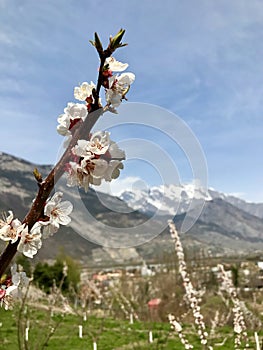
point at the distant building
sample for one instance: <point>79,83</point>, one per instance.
<point>146,271</point>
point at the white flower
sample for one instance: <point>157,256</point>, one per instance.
<point>176,325</point>
<point>113,98</point>
<point>58,211</point>
<point>82,149</point>
<point>83,91</point>
<point>7,220</point>
<point>64,124</point>
<point>99,142</point>
<point>76,111</point>
<point>30,242</point>
<point>125,80</point>
<point>237,328</point>
<point>76,176</point>
<point>12,289</point>
<point>9,229</point>
<point>97,145</point>
<point>72,114</point>
<point>118,87</point>
<point>116,66</point>
<point>94,167</point>
<point>6,296</point>
<point>99,158</point>
<point>89,171</point>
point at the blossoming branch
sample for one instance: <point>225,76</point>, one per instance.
<point>89,158</point>
<point>240,328</point>
<point>191,293</point>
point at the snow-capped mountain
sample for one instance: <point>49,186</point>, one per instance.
<point>224,225</point>
<point>165,199</point>
<point>176,199</point>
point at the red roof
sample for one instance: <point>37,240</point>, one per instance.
<point>154,302</point>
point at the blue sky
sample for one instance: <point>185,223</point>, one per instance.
<point>201,60</point>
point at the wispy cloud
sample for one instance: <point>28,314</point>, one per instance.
<point>202,61</point>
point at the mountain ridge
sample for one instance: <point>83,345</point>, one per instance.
<point>222,227</point>
<point>175,199</point>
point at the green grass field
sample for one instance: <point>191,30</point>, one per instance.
<point>108,333</point>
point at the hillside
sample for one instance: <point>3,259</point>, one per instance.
<point>105,230</point>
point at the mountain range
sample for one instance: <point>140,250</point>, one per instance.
<point>175,199</point>
<point>106,230</point>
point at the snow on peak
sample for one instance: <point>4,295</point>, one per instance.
<point>166,199</point>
